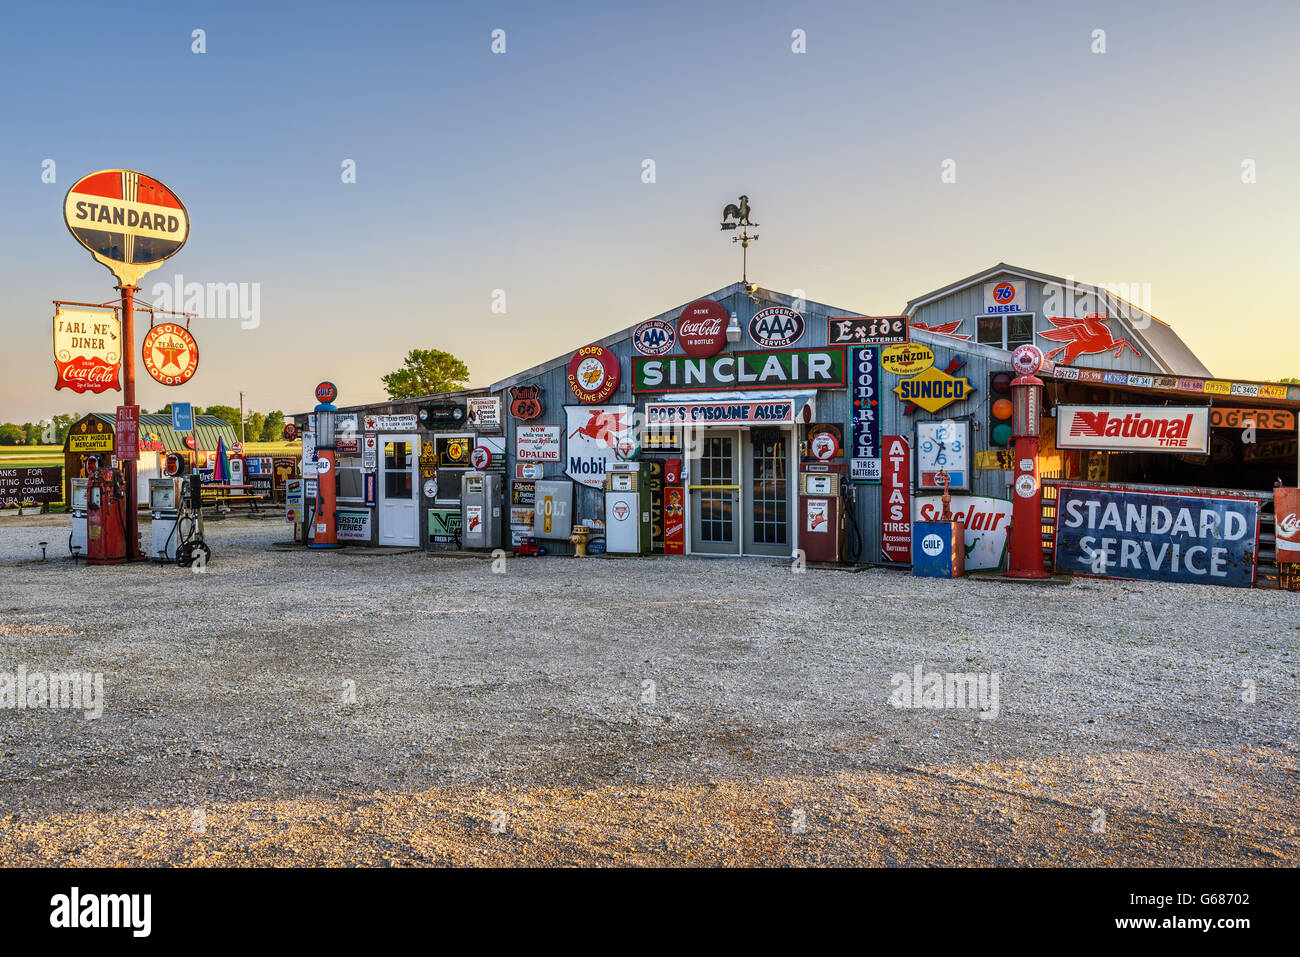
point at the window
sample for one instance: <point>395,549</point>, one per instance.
<point>350,487</point>
<point>1005,331</point>
<point>399,461</point>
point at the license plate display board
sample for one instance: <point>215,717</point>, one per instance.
<point>1151,536</point>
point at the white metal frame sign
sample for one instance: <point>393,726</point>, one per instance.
<point>1134,428</point>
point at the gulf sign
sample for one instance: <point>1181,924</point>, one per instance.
<point>1134,428</point>
<point>1149,536</point>
<point>130,222</point>
<point>1006,295</point>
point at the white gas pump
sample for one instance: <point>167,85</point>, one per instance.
<point>77,538</point>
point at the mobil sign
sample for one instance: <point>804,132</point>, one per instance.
<point>1134,428</point>
<point>1151,536</point>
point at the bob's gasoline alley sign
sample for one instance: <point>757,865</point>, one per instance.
<point>1149,536</point>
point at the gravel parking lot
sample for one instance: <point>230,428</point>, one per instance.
<point>294,707</point>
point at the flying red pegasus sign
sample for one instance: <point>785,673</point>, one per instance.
<point>1083,337</point>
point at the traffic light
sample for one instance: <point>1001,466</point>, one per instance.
<point>999,409</point>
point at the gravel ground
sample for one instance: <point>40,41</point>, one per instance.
<point>507,719</point>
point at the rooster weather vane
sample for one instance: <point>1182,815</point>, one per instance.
<point>737,215</point>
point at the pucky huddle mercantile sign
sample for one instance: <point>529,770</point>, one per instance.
<point>775,369</point>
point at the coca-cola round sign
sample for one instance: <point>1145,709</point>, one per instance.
<point>702,328</point>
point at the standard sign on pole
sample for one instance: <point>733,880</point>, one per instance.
<point>130,222</point>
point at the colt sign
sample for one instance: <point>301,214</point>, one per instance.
<point>130,222</point>
<point>1150,428</point>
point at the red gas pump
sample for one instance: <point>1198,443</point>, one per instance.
<point>105,518</point>
<point>821,519</point>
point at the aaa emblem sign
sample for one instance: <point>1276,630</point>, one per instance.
<point>87,349</point>
<point>130,222</point>
<point>170,354</point>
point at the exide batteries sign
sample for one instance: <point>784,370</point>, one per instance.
<point>1124,428</point>
<point>1197,539</point>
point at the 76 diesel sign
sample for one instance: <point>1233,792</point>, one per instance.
<point>1142,428</point>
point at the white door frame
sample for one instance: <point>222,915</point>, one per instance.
<point>385,517</point>
<point>691,479</point>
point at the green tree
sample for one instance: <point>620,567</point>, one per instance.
<point>425,372</point>
<point>273,428</point>
<point>254,423</point>
<point>11,434</point>
<point>1291,381</point>
<point>226,413</point>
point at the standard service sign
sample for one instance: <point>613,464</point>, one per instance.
<point>130,222</point>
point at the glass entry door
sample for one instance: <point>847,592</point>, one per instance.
<point>399,506</point>
<point>715,493</point>
<point>768,485</point>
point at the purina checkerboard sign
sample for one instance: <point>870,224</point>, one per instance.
<point>130,222</point>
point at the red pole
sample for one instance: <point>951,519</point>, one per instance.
<point>128,394</point>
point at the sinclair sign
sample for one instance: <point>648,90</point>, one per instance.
<point>1139,428</point>
<point>130,222</point>
<point>779,369</point>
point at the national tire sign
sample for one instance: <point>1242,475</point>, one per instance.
<point>130,222</point>
<point>1125,428</point>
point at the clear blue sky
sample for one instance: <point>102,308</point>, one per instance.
<point>522,171</point>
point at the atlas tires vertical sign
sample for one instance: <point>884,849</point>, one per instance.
<point>896,500</point>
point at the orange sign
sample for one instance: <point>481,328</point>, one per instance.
<point>170,354</point>
<point>1222,417</point>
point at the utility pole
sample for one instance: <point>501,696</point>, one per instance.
<point>241,419</point>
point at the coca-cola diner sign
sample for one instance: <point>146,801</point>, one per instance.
<point>702,328</point>
<point>87,349</point>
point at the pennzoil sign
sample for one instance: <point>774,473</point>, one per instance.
<point>130,222</point>
<point>1150,428</point>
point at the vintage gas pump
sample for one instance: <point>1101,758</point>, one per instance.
<point>77,537</point>
<point>627,509</point>
<point>105,518</point>
<point>820,514</point>
<point>480,510</point>
<point>165,508</point>
<point>325,417</point>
